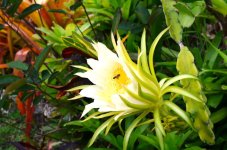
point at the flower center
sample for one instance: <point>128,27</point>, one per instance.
<point>119,78</point>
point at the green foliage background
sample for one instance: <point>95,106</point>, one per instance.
<point>198,24</point>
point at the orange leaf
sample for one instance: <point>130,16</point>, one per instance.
<point>29,115</point>
<point>60,94</point>
<point>59,18</point>
<point>26,34</point>
<point>46,17</point>
<point>34,16</point>
<point>20,104</point>
<point>3,66</point>
<point>21,55</point>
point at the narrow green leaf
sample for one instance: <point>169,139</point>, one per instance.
<point>109,126</point>
<point>15,85</point>
<point>41,58</point>
<point>141,99</point>
<point>76,5</point>
<point>177,78</point>
<point>148,78</point>
<point>214,99</point>
<point>116,20</point>
<point>142,13</point>
<point>144,84</point>
<point>13,7</point>
<point>134,106</point>
<point>30,9</point>
<point>78,88</point>
<point>104,115</point>
<point>222,54</point>
<point>99,130</point>
<point>81,67</point>
<point>219,115</point>
<point>144,59</point>
<point>211,56</point>
<point>181,91</point>
<point>130,129</point>
<point>220,6</point>
<point>91,116</point>
<point>7,79</point>
<point>61,11</point>
<point>160,137</point>
<point>18,65</point>
<point>101,11</point>
<point>158,122</point>
<point>4,3</point>
<point>135,135</point>
<point>76,97</point>
<point>126,9</point>
<point>151,53</point>
<point>184,137</point>
<point>1,27</point>
<point>162,81</point>
<point>76,123</point>
<point>179,112</point>
<point>151,140</point>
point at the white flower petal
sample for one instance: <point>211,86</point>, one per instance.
<point>93,76</point>
<point>109,78</point>
<point>103,52</point>
<point>119,104</point>
<point>88,108</point>
<point>91,92</point>
<point>93,63</point>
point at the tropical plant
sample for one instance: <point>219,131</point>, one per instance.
<point>171,96</point>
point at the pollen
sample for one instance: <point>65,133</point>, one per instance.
<point>119,78</point>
